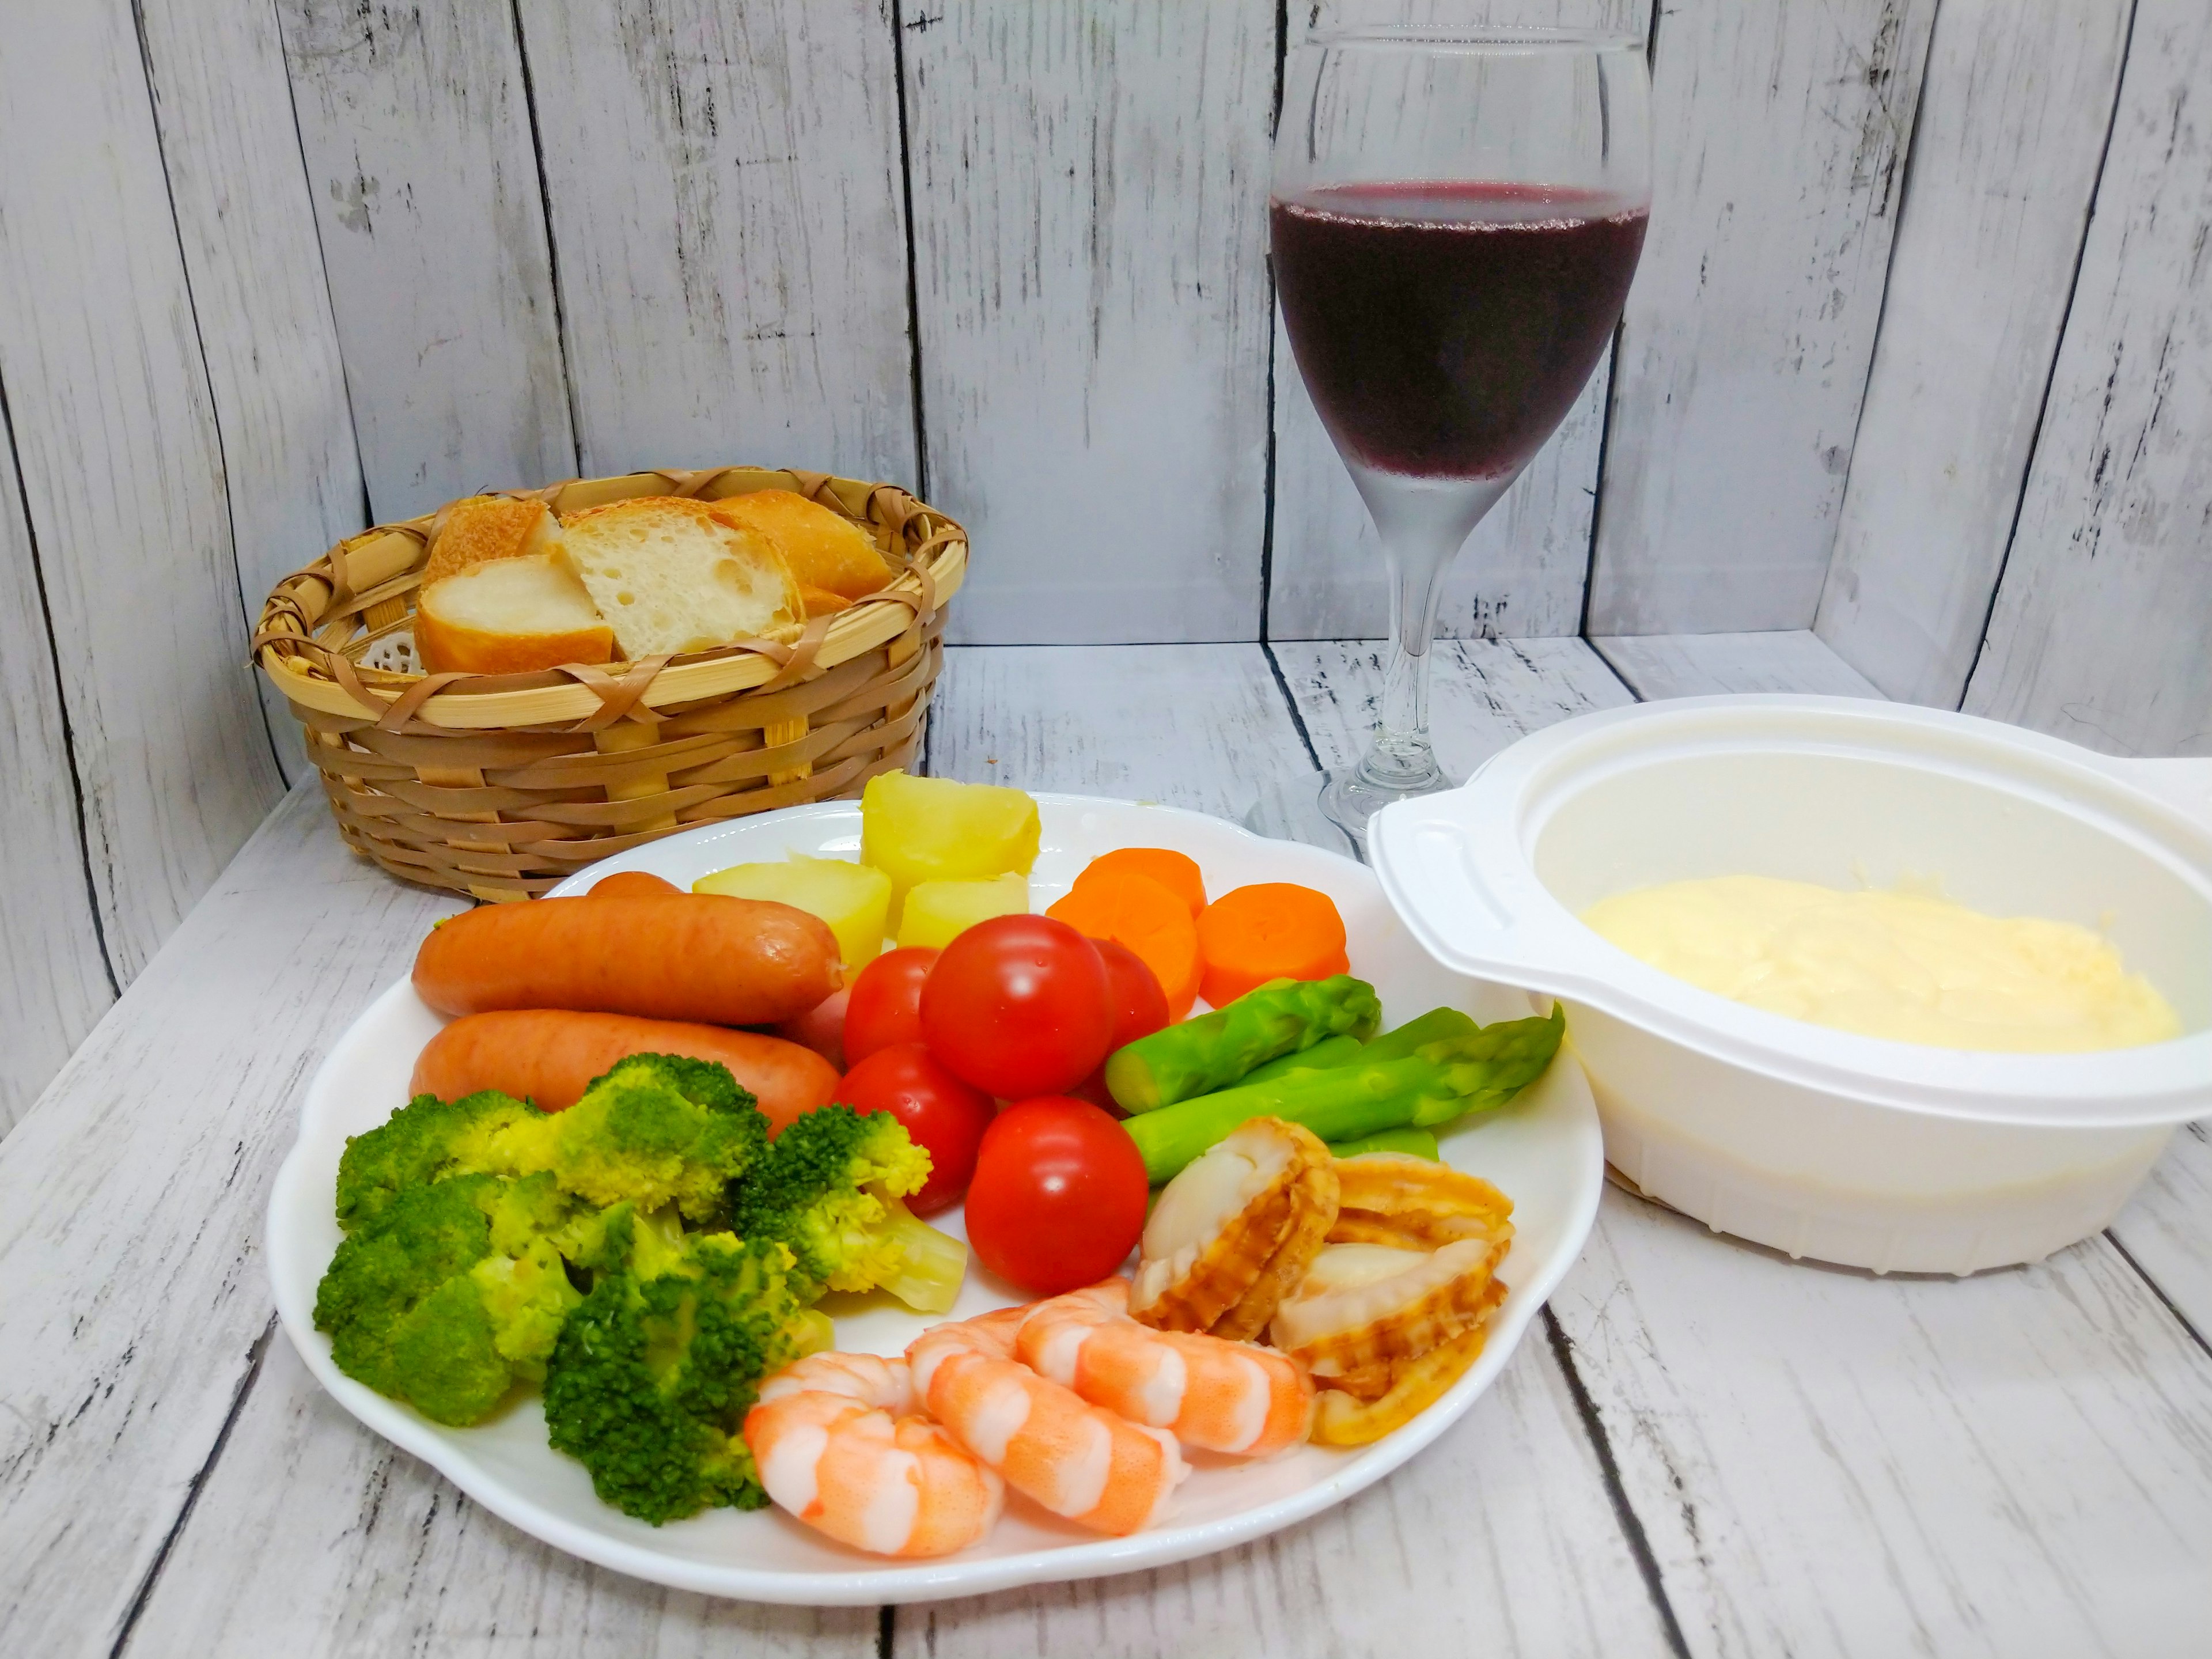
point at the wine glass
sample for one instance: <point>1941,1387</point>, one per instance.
<point>1455,216</point>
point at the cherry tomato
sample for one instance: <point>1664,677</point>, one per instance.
<point>1139,1008</point>
<point>945,1116</point>
<point>884,1005</point>
<point>1058,1197</point>
<point>821,1028</point>
<point>1017,1005</point>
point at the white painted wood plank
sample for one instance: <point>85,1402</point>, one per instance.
<point>53,980</point>
<point>1089,226</point>
<point>1522,573</point>
<point>1779,135</point>
<point>247,225</point>
<point>417,131</point>
<point>1498,1539</point>
<point>2100,628</point>
<point>132,1288</point>
<point>124,475</point>
<point>1196,726</point>
<point>2164,1227</point>
<point>1483,694</point>
<point>315,1536</point>
<point>1832,1463</point>
<point>2012,127</point>
<point>725,185</point>
<point>1699,664</point>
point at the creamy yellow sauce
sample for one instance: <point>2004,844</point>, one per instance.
<point>1897,965</point>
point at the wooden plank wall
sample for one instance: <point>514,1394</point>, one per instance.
<point>1920,355</point>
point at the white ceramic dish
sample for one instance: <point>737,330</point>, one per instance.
<point>1544,1150</point>
<point>1822,1143</point>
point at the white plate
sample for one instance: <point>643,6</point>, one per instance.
<point>1544,1150</point>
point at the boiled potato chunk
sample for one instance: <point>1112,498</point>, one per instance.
<point>916,829</point>
<point>937,910</point>
<point>854,900</point>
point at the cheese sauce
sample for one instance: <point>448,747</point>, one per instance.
<point>1896,965</point>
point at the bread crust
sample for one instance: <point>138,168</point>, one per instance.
<point>478,528</point>
<point>825,550</point>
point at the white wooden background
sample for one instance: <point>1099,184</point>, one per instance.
<point>1919,357</point>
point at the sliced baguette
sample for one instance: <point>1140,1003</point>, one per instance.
<point>512,615</point>
<point>670,576</point>
<point>825,549</point>
<point>478,528</point>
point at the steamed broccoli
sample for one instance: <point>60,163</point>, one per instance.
<point>659,1129</point>
<point>830,1188</point>
<point>428,1138</point>
<point>649,1383</point>
<point>450,1293</point>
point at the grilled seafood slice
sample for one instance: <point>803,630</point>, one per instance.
<point>1360,1304</point>
<point>1390,1198</point>
<point>1217,1233</point>
<point>1313,1215</point>
<point>1342,1418</point>
<point>1223,1397</point>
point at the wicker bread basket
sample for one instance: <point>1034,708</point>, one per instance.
<point>500,786</point>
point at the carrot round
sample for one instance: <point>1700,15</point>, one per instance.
<point>1176,872</point>
<point>676,956</point>
<point>550,1055</point>
<point>631,883</point>
<point>1271,930</point>
<point>1152,920</point>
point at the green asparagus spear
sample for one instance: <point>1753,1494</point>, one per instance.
<point>1415,1143</point>
<point>1330,1051</point>
<point>1436,1083</point>
<point>1216,1050</point>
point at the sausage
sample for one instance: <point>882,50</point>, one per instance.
<point>548,1055</point>
<point>630,883</point>
<point>679,956</point>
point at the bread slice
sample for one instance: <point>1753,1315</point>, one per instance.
<point>509,616</point>
<point>478,528</point>
<point>670,576</point>
<point>826,549</point>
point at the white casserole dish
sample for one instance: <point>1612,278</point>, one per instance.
<point>1822,1143</point>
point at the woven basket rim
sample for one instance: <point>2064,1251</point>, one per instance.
<point>385,563</point>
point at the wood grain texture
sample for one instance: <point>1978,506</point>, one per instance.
<point>1201,727</point>
<point>1699,664</point>
<point>1832,1464</point>
<point>247,225</point>
<point>1498,1539</point>
<point>313,1535</point>
<point>2005,154</point>
<point>132,1289</point>
<point>726,202</point>
<point>416,131</point>
<point>1522,573</point>
<point>122,469</point>
<point>2101,624</point>
<point>1089,203</point>
<point>1780,131</point>
<point>53,980</point>
<point>2163,1227</point>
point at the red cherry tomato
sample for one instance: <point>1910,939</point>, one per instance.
<point>1139,1008</point>
<point>945,1116</point>
<point>1017,1005</point>
<point>884,1003</point>
<point>1058,1197</point>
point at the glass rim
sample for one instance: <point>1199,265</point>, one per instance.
<point>1498,37</point>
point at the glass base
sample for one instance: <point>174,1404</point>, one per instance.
<point>1331,809</point>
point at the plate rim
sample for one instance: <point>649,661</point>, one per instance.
<point>889,1583</point>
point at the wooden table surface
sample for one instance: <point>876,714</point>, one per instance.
<point>1704,1448</point>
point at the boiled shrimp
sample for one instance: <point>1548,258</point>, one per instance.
<point>1077,1460</point>
<point>1207,1392</point>
<point>838,1445</point>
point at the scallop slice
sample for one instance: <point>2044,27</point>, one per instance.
<point>1390,1198</point>
<point>1313,1214</point>
<point>1343,1416</point>
<point>1219,1224</point>
<point>1361,1304</point>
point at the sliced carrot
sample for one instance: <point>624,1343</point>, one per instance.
<point>1138,912</point>
<point>1176,872</point>
<point>1271,930</point>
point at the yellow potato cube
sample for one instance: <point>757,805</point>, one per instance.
<point>854,900</point>
<point>938,910</point>
<point>916,829</point>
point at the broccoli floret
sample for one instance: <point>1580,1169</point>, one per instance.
<point>450,1293</point>
<point>660,1129</point>
<point>829,1190</point>
<point>651,1377</point>
<point>428,1139</point>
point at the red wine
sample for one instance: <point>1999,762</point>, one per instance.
<point>1444,329</point>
